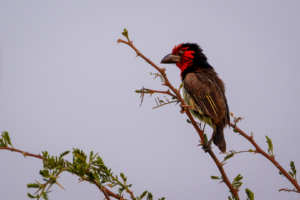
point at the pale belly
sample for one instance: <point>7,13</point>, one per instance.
<point>199,115</point>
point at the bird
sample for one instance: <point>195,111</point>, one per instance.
<point>203,90</point>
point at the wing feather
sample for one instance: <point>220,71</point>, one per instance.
<point>207,95</point>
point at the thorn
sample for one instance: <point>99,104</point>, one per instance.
<point>24,154</point>
<point>80,181</point>
<point>60,185</point>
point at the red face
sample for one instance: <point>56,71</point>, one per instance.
<point>186,57</point>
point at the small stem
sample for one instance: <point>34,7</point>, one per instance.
<point>22,152</point>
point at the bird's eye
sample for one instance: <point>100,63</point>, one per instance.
<point>180,53</point>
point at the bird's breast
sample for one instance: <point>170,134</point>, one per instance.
<point>188,100</point>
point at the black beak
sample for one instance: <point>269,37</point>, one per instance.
<point>170,58</point>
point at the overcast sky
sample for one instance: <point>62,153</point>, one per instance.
<point>65,82</point>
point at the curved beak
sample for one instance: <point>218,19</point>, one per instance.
<point>170,58</point>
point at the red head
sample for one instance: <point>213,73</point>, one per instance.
<point>184,56</point>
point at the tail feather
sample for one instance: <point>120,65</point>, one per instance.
<point>219,139</point>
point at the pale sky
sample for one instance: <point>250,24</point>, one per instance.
<point>64,83</point>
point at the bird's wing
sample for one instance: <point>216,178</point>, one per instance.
<point>206,93</point>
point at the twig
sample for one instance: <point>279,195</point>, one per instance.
<point>145,90</point>
<point>107,192</point>
<point>22,152</point>
<point>149,91</point>
<point>167,83</point>
<point>236,152</point>
<point>288,190</point>
<point>162,104</point>
<point>272,159</point>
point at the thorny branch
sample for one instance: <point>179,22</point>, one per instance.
<point>22,152</point>
<point>200,132</point>
<point>288,190</point>
<point>160,102</point>
<point>271,158</point>
<point>149,91</point>
<point>107,193</point>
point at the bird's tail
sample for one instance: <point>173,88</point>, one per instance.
<point>218,138</point>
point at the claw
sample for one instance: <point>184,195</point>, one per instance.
<point>207,146</point>
<point>184,108</point>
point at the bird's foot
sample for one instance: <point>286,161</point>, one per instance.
<point>207,146</point>
<point>185,108</point>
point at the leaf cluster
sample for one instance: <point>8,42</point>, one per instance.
<point>236,183</point>
<point>293,172</point>
<point>270,144</point>
<point>88,168</point>
<point>5,140</point>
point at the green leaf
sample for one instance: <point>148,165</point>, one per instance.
<point>123,177</point>
<point>181,85</point>
<point>80,158</point>
<point>280,173</point>
<point>293,168</point>
<point>229,198</point>
<point>228,156</point>
<point>215,177</point>
<point>91,175</point>
<point>149,196</point>
<point>33,185</point>
<point>45,196</point>
<point>205,138</point>
<point>270,144</point>
<point>125,33</point>
<point>2,143</point>
<point>63,154</point>
<point>188,121</point>
<point>31,196</point>
<point>250,194</point>
<point>45,173</point>
<point>236,183</point>
<point>144,194</point>
<point>6,137</point>
<point>234,130</point>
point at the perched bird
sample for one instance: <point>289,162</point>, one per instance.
<point>203,90</point>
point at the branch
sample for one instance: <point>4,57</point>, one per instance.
<point>22,152</point>
<point>149,91</point>
<point>145,90</point>
<point>167,83</point>
<point>271,158</point>
<point>288,190</point>
<point>106,191</point>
